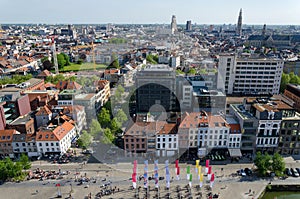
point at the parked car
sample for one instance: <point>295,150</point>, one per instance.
<point>298,169</point>
<point>248,171</point>
<point>294,172</point>
<point>242,172</point>
<point>288,172</point>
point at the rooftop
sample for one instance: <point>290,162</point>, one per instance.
<point>21,120</point>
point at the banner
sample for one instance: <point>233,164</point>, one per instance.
<point>199,171</point>
<point>212,180</point>
<point>191,180</point>
<point>178,173</point>
<point>156,173</point>
<point>209,173</point>
<point>134,180</point>
<point>201,180</point>
<point>167,174</point>
<point>196,167</point>
<point>134,174</point>
<point>188,172</point>
<point>206,166</point>
<point>146,174</point>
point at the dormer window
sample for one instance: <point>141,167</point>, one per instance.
<point>47,136</point>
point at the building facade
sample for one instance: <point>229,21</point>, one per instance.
<point>249,74</point>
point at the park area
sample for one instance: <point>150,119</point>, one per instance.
<point>85,66</point>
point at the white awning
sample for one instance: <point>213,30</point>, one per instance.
<point>235,152</point>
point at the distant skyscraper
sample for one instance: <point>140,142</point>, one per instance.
<point>264,30</point>
<point>173,24</point>
<point>239,24</point>
<point>188,26</point>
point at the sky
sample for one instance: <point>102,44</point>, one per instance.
<point>270,12</point>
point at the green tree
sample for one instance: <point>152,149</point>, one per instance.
<point>192,71</point>
<point>95,127</point>
<point>85,140</point>
<point>115,126</point>
<point>121,117</point>
<point>67,59</point>
<point>152,59</point>
<point>278,164</point>
<point>104,118</point>
<point>263,163</point>
<point>24,161</point>
<point>61,61</point>
<point>285,79</point>
<point>107,137</point>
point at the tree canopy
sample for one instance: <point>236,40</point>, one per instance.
<point>152,59</point>
<point>290,78</point>
<point>104,117</point>
<point>16,79</point>
<point>85,140</point>
<point>95,127</point>
<point>10,170</point>
<point>266,163</point>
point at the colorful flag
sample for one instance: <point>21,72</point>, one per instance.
<point>134,174</point>
<point>146,174</point>
<point>206,166</point>
<point>176,163</point>
<point>191,180</point>
<point>167,174</point>
<point>197,165</point>
<point>199,171</point>
<point>178,173</point>
<point>201,180</point>
<point>188,172</point>
<point>156,173</point>
<point>209,173</point>
<point>212,180</point>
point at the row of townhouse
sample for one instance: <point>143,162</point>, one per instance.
<point>258,124</point>
<point>51,140</point>
<point>268,124</point>
<point>197,130</point>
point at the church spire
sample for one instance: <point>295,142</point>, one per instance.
<point>239,24</point>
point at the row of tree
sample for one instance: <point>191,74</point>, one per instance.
<point>16,79</point>
<point>266,163</point>
<point>10,170</point>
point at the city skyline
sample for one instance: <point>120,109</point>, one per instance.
<point>137,12</point>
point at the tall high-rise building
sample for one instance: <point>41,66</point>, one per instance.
<point>173,24</point>
<point>264,30</point>
<point>188,26</point>
<point>244,74</point>
<point>239,24</point>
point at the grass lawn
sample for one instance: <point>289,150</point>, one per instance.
<point>84,66</point>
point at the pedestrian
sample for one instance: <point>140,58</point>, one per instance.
<point>249,191</point>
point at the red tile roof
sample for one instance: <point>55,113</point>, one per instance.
<point>7,135</point>
<point>56,134</point>
<point>62,85</point>
<point>43,111</point>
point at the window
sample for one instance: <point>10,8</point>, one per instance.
<point>56,143</point>
<point>17,144</point>
<point>158,145</point>
<point>47,143</point>
<point>40,144</point>
<point>52,144</point>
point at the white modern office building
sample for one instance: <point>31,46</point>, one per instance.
<point>249,74</point>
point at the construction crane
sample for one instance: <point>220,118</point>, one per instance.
<point>54,56</point>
